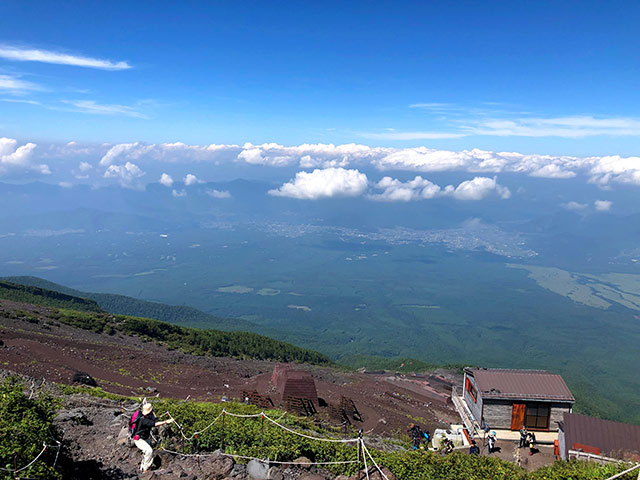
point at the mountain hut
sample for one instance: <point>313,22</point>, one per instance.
<point>508,399</point>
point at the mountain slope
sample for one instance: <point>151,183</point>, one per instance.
<point>124,305</point>
<point>49,298</point>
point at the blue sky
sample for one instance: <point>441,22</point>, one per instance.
<point>556,78</point>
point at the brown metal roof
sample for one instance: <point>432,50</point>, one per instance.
<point>614,439</point>
<point>521,384</point>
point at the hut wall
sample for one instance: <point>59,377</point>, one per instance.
<point>474,406</point>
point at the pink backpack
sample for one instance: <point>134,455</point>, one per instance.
<point>133,425</point>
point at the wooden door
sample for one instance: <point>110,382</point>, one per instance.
<point>517,416</point>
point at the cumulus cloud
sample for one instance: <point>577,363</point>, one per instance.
<point>393,190</point>
<point>125,152</point>
<point>127,174</point>
<point>47,56</point>
<point>166,180</point>
<point>604,171</point>
<point>178,193</point>
<point>324,183</point>
<point>613,168</point>
<point>308,155</point>
<point>479,188</point>
<point>169,153</point>
<point>552,170</point>
<point>603,205</point>
<point>396,191</point>
<point>17,159</point>
<point>219,193</point>
<point>191,179</point>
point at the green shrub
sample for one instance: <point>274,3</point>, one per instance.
<point>579,470</point>
<point>25,425</point>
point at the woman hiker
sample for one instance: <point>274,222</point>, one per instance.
<point>142,432</point>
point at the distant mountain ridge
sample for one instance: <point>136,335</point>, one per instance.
<point>124,305</point>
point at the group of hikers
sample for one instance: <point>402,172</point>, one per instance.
<point>418,436</point>
<point>527,439</point>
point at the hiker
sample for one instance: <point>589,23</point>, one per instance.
<point>523,437</point>
<point>474,449</point>
<point>415,432</point>
<point>141,425</point>
<point>492,442</point>
<point>531,440</point>
<point>448,447</point>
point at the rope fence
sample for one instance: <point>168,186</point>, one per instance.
<point>262,415</point>
<point>44,448</point>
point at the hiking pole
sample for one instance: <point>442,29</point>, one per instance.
<point>262,430</point>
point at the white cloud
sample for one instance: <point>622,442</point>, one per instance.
<point>15,86</point>
<point>93,108</point>
<point>191,179</point>
<point>127,174</point>
<point>479,188</point>
<point>47,56</point>
<point>324,183</point>
<point>166,180</point>
<point>567,127</point>
<point>219,193</point>
<point>65,184</point>
<point>574,206</point>
<point>552,170</point>
<point>603,205</point>
<point>19,100</point>
<point>125,151</point>
<point>84,166</point>
<point>178,193</point>
<point>170,153</point>
<point>82,172</point>
<point>419,189</point>
<point>308,155</point>
<point>396,191</point>
<point>613,168</point>
<point>18,159</point>
<point>603,171</point>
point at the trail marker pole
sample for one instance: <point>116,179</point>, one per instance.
<point>222,437</point>
<point>359,447</point>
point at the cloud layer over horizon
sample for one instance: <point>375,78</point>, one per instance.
<point>324,170</point>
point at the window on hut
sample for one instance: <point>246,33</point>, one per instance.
<point>472,390</point>
<point>537,416</point>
